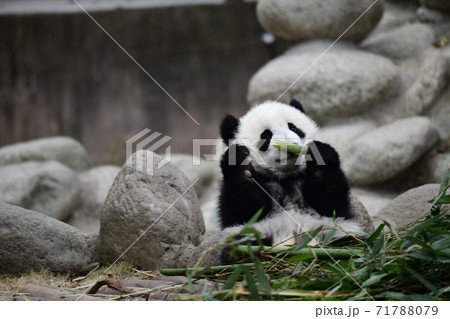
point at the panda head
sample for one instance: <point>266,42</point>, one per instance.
<point>264,123</point>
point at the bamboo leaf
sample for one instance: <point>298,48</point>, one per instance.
<point>374,279</point>
<point>307,238</point>
<point>375,234</point>
<point>251,284</point>
<point>425,282</point>
<point>378,246</point>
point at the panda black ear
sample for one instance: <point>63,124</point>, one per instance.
<point>228,128</point>
<point>297,105</point>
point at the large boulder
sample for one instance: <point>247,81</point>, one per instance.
<point>33,241</point>
<point>408,206</point>
<point>443,5</point>
<point>65,150</point>
<point>46,187</point>
<point>151,214</point>
<point>388,150</point>
<point>94,184</point>
<point>409,40</point>
<point>431,81</point>
<point>339,136</point>
<point>310,19</point>
<point>341,83</point>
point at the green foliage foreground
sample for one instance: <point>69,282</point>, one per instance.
<point>411,263</point>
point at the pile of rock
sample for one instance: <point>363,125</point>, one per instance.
<point>57,212</point>
<point>46,186</point>
<point>380,93</point>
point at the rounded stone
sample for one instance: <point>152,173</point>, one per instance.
<point>33,241</point>
<point>62,149</point>
<point>388,150</point>
<point>151,214</point>
<point>311,19</point>
<point>408,206</point>
<point>49,188</point>
<point>339,83</point>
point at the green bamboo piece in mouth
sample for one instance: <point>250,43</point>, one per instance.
<point>291,148</point>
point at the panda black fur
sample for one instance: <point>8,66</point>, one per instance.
<point>294,197</point>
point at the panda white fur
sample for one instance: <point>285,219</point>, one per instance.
<point>296,193</point>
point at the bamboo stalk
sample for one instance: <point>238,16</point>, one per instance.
<point>320,253</point>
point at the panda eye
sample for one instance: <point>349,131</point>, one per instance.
<point>263,144</point>
<point>296,130</point>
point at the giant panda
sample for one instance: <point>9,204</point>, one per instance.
<point>296,192</point>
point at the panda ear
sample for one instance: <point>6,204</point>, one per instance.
<point>228,128</point>
<point>297,105</point>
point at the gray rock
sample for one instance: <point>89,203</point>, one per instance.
<point>45,187</point>
<point>388,150</point>
<point>361,215</point>
<point>32,241</point>
<point>95,184</point>
<point>396,15</point>
<point>431,81</point>
<point>443,5</point>
<point>61,149</point>
<point>340,84</point>
<point>150,217</point>
<point>339,136</point>
<point>440,115</point>
<point>428,169</point>
<point>310,19</point>
<point>408,206</point>
<point>193,167</point>
<point>410,40</point>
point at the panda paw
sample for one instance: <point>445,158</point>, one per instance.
<point>234,157</point>
<point>321,158</point>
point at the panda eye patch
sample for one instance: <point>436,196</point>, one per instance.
<point>296,130</point>
<point>263,144</point>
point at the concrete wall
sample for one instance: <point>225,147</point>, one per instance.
<point>62,75</point>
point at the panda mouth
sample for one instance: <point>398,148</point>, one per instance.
<point>288,159</point>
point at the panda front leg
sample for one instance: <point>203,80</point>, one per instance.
<point>325,187</point>
<point>241,197</point>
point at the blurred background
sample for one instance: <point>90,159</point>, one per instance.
<point>60,74</point>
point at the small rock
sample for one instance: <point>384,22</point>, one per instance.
<point>95,184</point>
<point>443,5</point>
<point>62,149</point>
<point>150,218</point>
<point>431,81</point>
<point>32,241</point>
<point>46,187</point>
<point>388,150</point>
<point>340,84</point>
<point>310,19</point>
<point>408,206</point>
<point>410,40</point>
